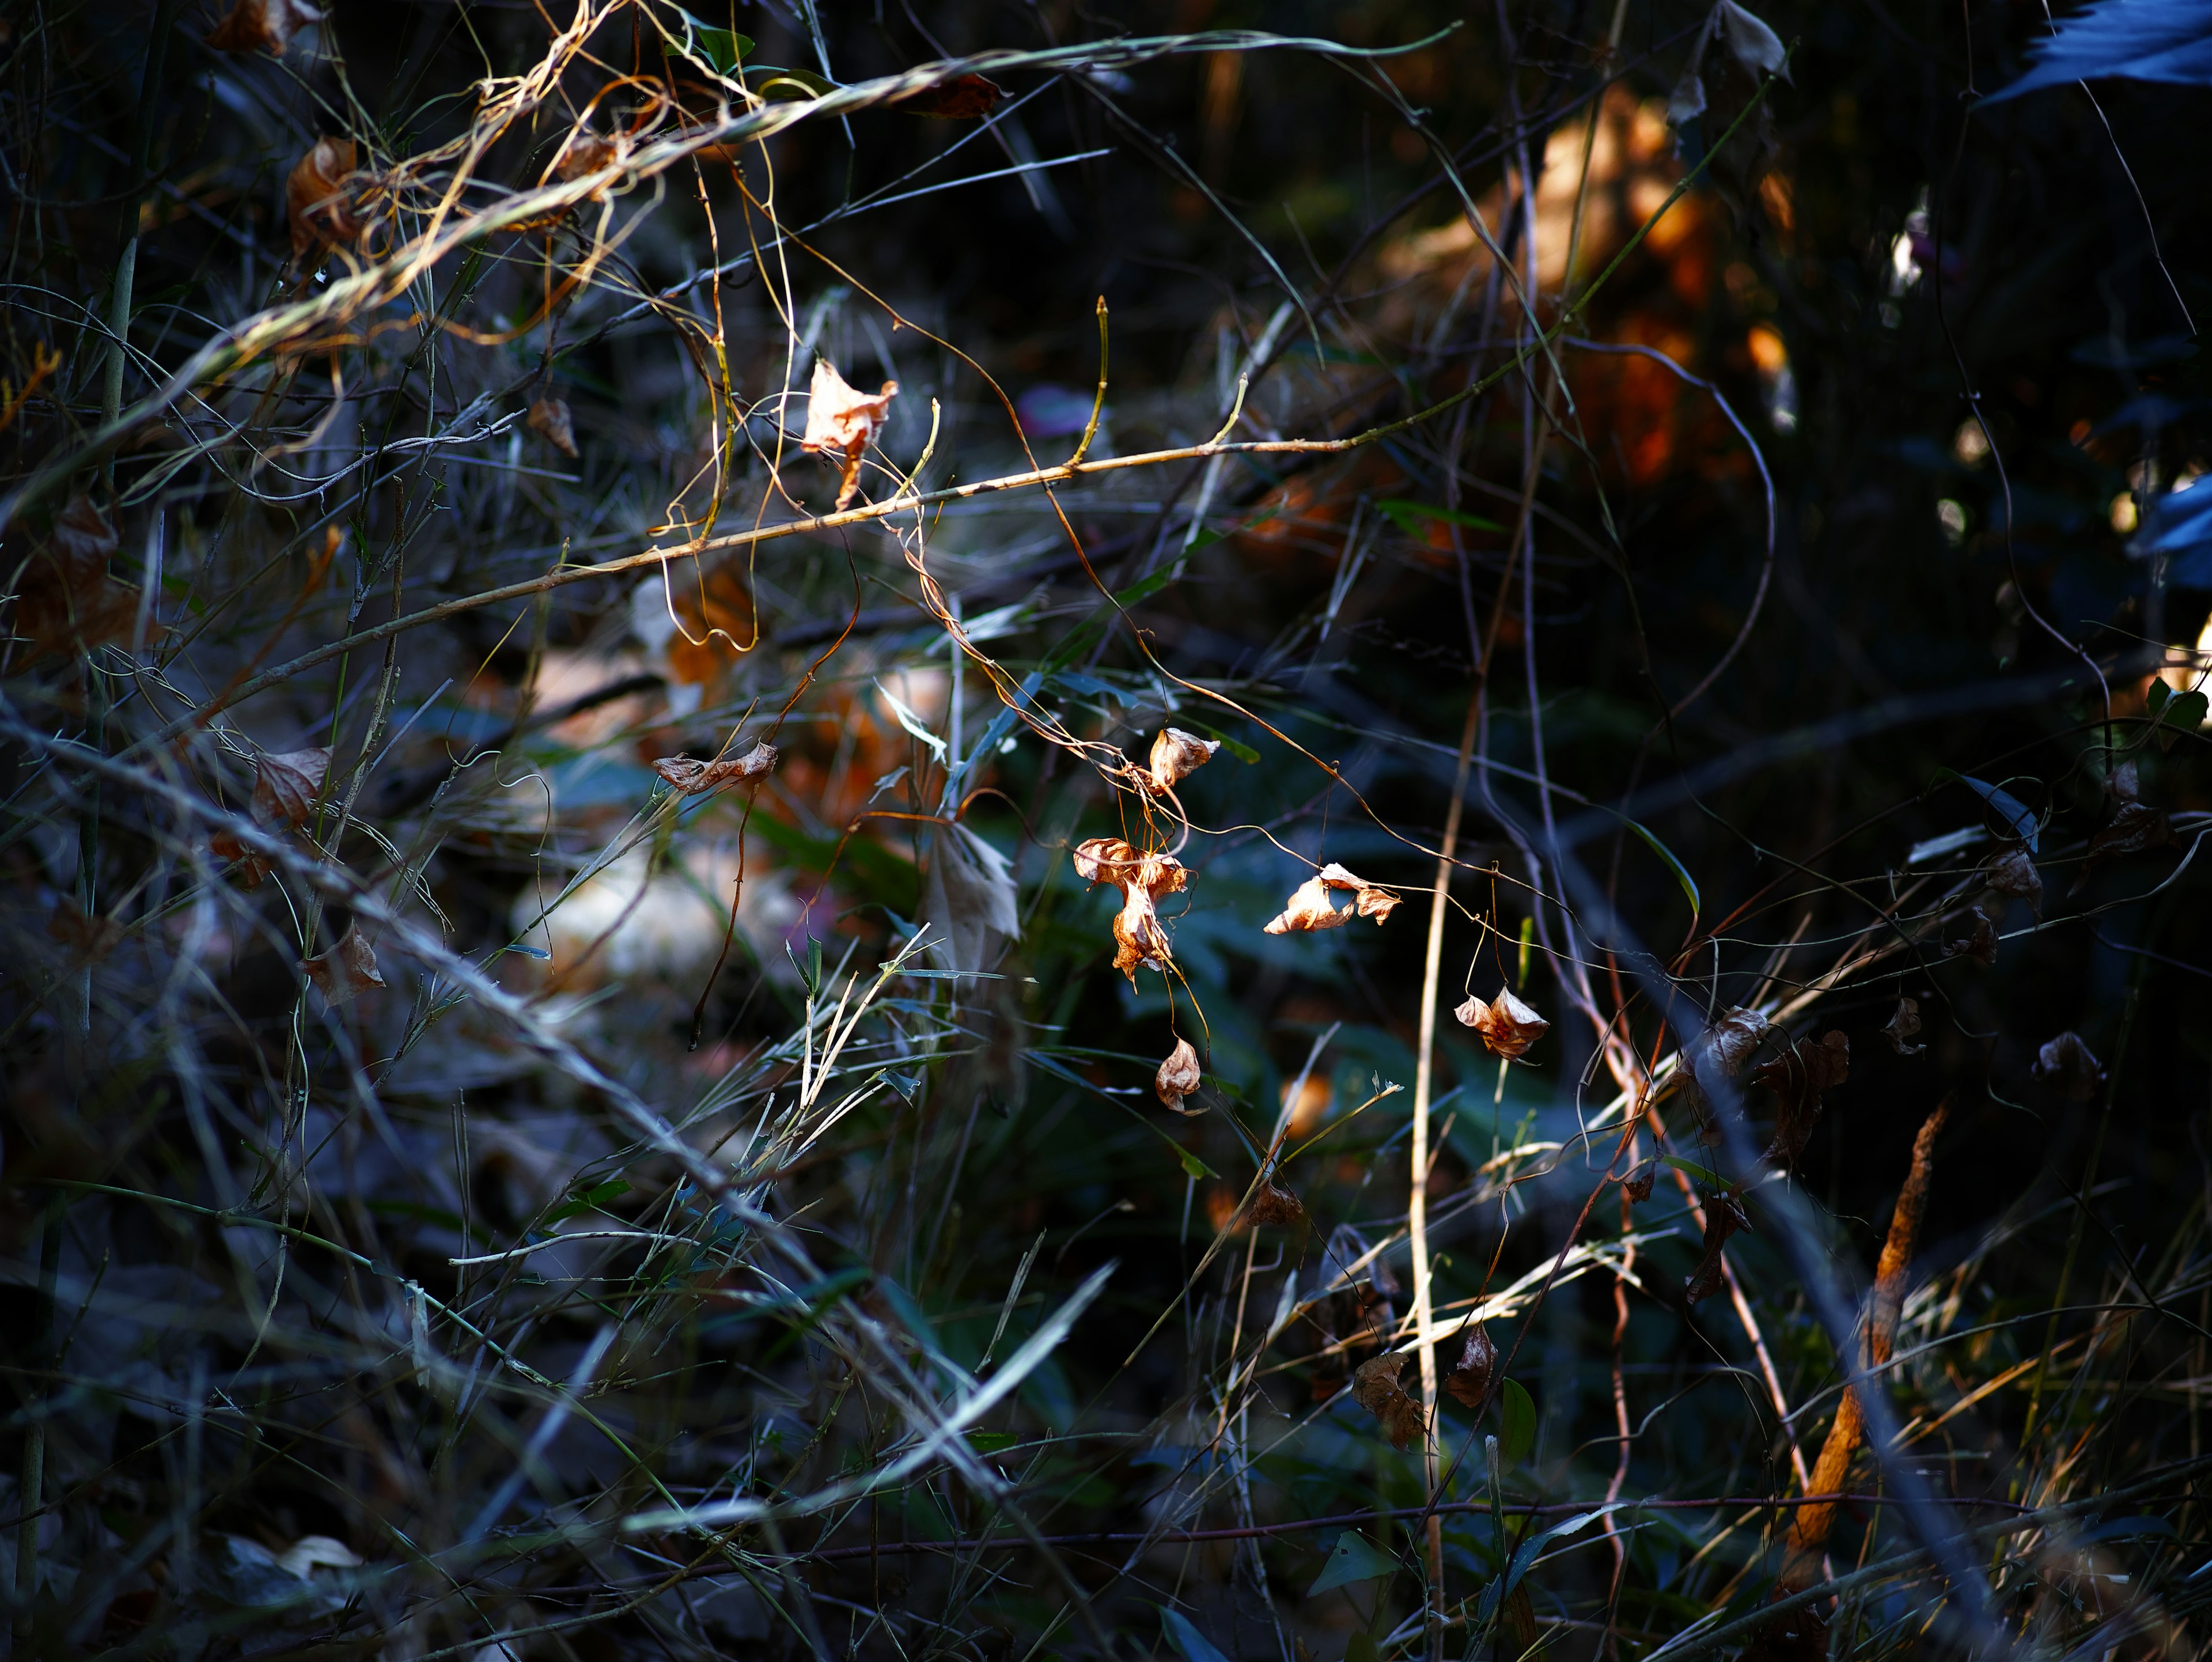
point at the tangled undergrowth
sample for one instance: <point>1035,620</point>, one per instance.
<point>998,834</point>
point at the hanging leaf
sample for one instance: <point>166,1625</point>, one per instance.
<point>841,423</point>
<point>1138,935</point>
<point>1176,756</point>
<point>1797,1078</point>
<point>317,200</point>
<point>1469,1378</point>
<point>1309,910</point>
<point>262,26</point>
<point>1193,1645</point>
<point>287,787</point>
<point>1902,1026</point>
<point>67,603</point>
<point>2020,823</point>
<point>2137,828</point>
<point>1353,1558</point>
<point>1374,1387</point>
<point>963,97</point>
<point>1178,1077</point>
<point>1508,1026</point>
<point>88,939</point>
<point>347,970</point>
<point>2011,872</point>
<point>1724,1216</point>
<point>969,894</point>
<point>1980,941</point>
<point>2067,1066</point>
<point>2184,713</point>
<point>550,419</point>
<point>1271,1203</point>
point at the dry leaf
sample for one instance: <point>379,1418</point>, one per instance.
<point>315,199</point>
<point>690,777</point>
<point>1508,1026</point>
<point>1902,1026</point>
<point>1374,1387</point>
<point>347,970</point>
<point>1797,1077</point>
<point>842,422</point>
<point>2011,872</point>
<point>1271,1203</point>
<point>1638,1183</point>
<point>1980,943</point>
<point>312,1552</point>
<point>286,788</point>
<point>550,419</point>
<point>2124,783</point>
<point>2137,828</point>
<point>1178,1076</point>
<point>968,895</point>
<point>2067,1063</point>
<point>963,97</point>
<point>1138,936</point>
<point>1176,756</point>
<point>1724,1216</point>
<point>1469,1378</point>
<point>87,938</point>
<point>68,602</point>
<point>262,26</point>
<point>1750,42</point>
<point>587,153</point>
<point>1308,910</point>
<point>251,870</point>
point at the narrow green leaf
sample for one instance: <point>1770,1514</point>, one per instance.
<point>1353,1558</point>
<point>1194,1166</point>
<point>1405,515</point>
<point>1682,872</point>
<point>1518,1410</point>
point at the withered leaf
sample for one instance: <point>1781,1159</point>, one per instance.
<point>1980,941</point>
<point>2124,784</point>
<point>1638,1183</point>
<point>1368,900</point>
<point>2136,829</point>
<point>963,97</point>
<point>251,870</point>
<point>1508,1026</point>
<point>1178,1076</point>
<point>1751,42</point>
<point>68,602</point>
<point>315,197</point>
<point>842,422</point>
<point>285,786</point>
<point>88,938</point>
<point>551,420</point>
<point>347,970</point>
<point>1469,1378</point>
<point>1271,1203</point>
<point>1374,1387</point>
<point>262,26</point>
<point>2011,872</point>
<point>690,776</point>
<point>587,153</point>
<point>1797,1077</point>
<point>1138,935</point>
<point>2068,1064</point>
<point>1176,756</point>
<point>1729,1042</point>
<point>1901,1027</point>
<point>1724,1216</point>
<point>1308,911</point>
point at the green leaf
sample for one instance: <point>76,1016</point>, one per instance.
<point>1353,1558</point>
<point>1186,1639</point>
<point>1525,1555</point>
<point>1404,514</point>
<point>1682,872</point>
<point>783,86</point>
<point>1518,1410</point>
<point>587,1200</point>
<point>1360,1647</point>
<point>2155,699</point>
<point>722,50</point>
<point>1194,1166</point>
<point>1243,753</point>
<point>2184,712</point>
<point>990,1442</point>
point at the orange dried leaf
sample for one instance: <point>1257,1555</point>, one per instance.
<point>251,870</point>
<point>690,777</point>
<point>1271,1203</point>
<point>1138,936</point>
<point>1308,910</point>
<point>842,422</point>
<point>1178,1076</point>
<point>1508,1026</point>
<point>315,197</point>
<point>1374,1387</point>
<point>550,419</point>
<point>1176,756</point>
<point>262,26</point>
<point>347,970</point>
<point>587,153</point>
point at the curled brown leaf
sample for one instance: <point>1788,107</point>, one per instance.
<point>1724,1216</point>
<point>1138,936</point>
<point>67,601</point>
<point>690,776</point>
<point>1374,1387</point>
<point>963,97</point>
<point>347,970</point>
<point>287,786</point>
<point>1797,1078</point>
<point>1271,1203</point>
<point>2066,1063</point>
<point>1309,910</point>
<point>2136,829</point>
<point>551,420</point>
<point>1178,1076</point>
<point>1980,941</point>
<point>1902,1025</point>
<point>2011,872</point>
<point>1638,1183</point>
<point>262,26</point>
<point>1469,1378</point>
<point>317,200</point>
<point>1508,1026</point>
<point>1175,757</point>
<point>842,422</point>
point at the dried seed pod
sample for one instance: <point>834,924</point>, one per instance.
<point>550,419</point>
